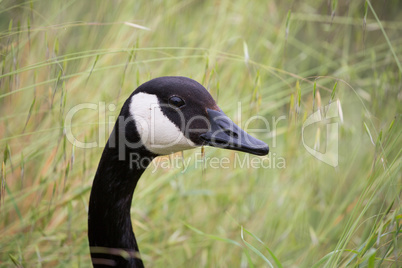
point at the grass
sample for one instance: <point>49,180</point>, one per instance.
<point>282,60</point>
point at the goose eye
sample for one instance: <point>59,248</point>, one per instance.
<point>176,102</point>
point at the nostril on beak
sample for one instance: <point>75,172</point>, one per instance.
<point>231,133</point>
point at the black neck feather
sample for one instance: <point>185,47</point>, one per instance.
<point>110,232</point>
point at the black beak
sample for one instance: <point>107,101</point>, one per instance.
<point>224,133</point>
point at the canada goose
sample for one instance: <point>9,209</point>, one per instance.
<point>162,116</point>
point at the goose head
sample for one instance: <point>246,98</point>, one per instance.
<point>162,116</point>
<point>172,114</point>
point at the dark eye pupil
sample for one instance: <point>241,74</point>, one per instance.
<point>176,101</point>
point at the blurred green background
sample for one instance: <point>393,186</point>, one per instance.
<point>282,60</point>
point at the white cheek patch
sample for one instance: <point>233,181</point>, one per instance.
<point>158,133</point>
